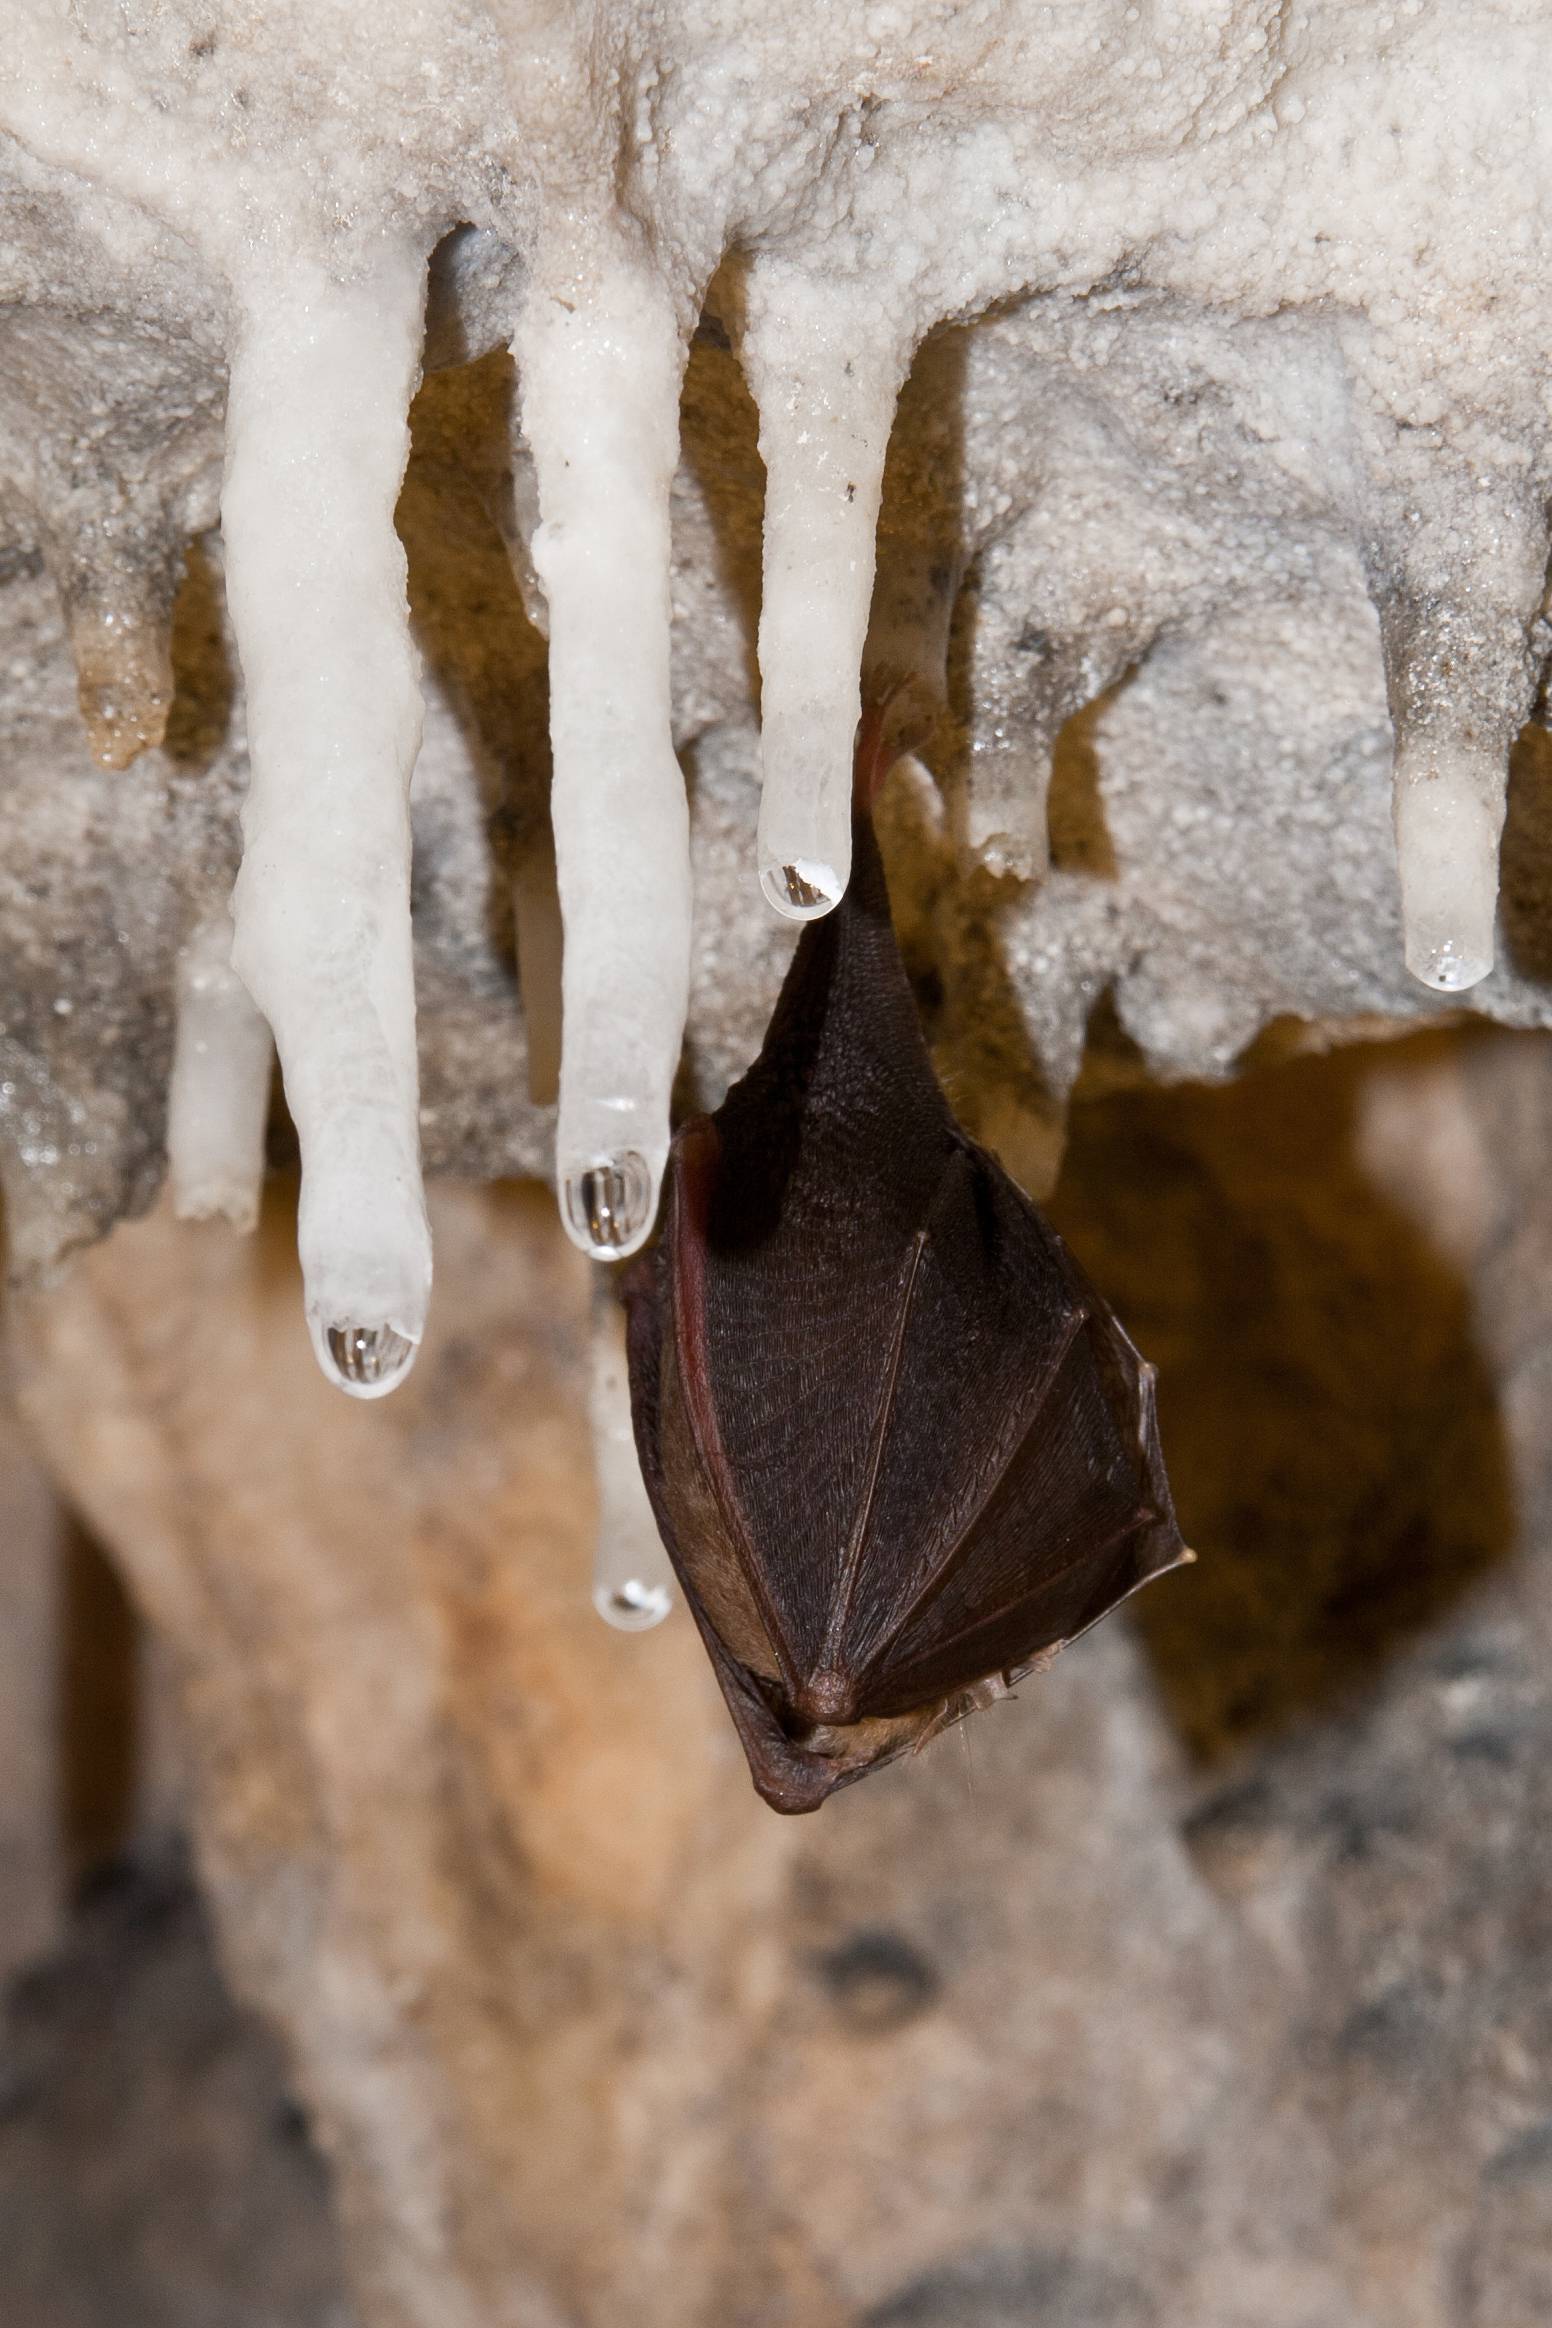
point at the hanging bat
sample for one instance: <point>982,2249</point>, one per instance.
<point>899,1449</point>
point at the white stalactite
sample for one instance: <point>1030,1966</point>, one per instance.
<point>1257,320</point>
<point>600,357</point>
<point>633,1582</point>
<point>1449,813</point>
<point>825,373</point>
<point>218,1099</point>
<point>1461,664</point>
<point>317,437</point>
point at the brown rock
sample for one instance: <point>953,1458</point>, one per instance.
<point>1207,1988</point>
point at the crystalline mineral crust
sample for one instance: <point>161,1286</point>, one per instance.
<point>1219,471</point>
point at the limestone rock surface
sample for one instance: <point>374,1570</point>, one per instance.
<point>153,2170</point>
<point>1226,429</point>
<point>1213,540</point>
<point>1200,1987</point>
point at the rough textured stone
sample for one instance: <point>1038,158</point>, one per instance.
<point>31,1863</point>
<point>1209,1996</point>
<point>153,2171</point>
<point>1219,366</point>
<point>1201,1985</point>
<point>90,1754</point>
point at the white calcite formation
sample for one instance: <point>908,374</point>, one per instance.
<point>218,1094</point>
<point>633,1584</point>
<point>1221,332</point>
<point>317,439</point>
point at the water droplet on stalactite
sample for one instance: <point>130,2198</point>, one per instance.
<point>802,892</point>
<point>633,1605</point>
<point>366,1361</point>
<point>610,1203</point>
<point>1450,970</point>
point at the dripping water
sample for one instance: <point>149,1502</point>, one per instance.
<point>803,891</point>
<point>632,1604</point>
<point>366,1361</point>
<point>609,1204</point>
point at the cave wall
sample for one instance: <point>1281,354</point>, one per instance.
<point>1226,421</point>
<point>1199,1984</point>
<point>1214,509</point>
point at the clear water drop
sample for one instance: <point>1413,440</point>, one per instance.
<point>609,1204</point>
<point>801,892</point>
<point>1451,969</point>
<point>632,1604</point>
<point>365,1361</point>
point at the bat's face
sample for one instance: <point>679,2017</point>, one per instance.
<point>899,1449</point>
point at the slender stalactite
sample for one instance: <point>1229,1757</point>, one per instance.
<point>218,1099</point>
<point>633,1581</point>
<point>1207,338</point>
<point>1457,609</point>
<point>600,355</point>
<point>322,374</point>
<point>825,375</point>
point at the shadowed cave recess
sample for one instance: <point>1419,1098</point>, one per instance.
<point>462,473</point>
